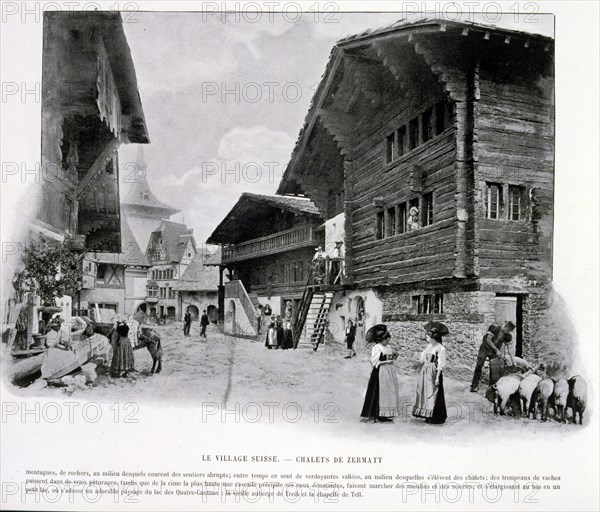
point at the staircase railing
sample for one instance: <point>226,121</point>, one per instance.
<point>236,289</point>
<point>303,308</point>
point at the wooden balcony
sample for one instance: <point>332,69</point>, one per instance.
<point>295,238</point>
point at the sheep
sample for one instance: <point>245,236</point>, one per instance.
<point>527,386</point>
<point>558,399</point>
<point>577,397</point>
<point>505,388</point>
<point>540,396</point>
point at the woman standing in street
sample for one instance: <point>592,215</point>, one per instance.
<point>430,402</point>
<point>122,360</point>
<point>382,401</point>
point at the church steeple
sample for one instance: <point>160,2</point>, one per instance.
<point>144,211</point>
<point>141,201</point>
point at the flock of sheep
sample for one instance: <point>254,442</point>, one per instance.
<point>535,392</point>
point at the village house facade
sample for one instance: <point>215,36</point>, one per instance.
<point>432,144</point>
<point>90,106</point>
<point>198,288</point>
<point>268,243</point>
<point>115,281</point>
<point>170,250</point>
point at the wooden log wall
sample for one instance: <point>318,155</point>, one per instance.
<point>515,129</point>
<point>427,253</point>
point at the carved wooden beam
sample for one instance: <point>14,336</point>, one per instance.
<point>96,167</point>
<point>340,126</point>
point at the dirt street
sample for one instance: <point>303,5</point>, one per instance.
<point>319,390</point>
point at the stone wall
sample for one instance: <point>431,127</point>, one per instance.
<point>467,315</point>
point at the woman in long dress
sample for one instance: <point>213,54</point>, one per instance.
<point>122,360</point>
<point>271,341</point>
<point>430,402</point>
<point>382,400</point>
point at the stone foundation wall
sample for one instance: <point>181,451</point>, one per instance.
<point>467,315</point>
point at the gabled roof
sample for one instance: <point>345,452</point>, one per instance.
<point>290,182</point>
<point>251,206</point>
<point>175,238</point>
<point>199,276</point>
<point>131,255</point>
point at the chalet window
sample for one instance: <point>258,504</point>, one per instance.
<point>426,127</point>
<point>515,202</point>
<point>413,133</point>
<point>390,222</point>
<point>390,150</point>
<point>152,290</point>
<point>380,225</point>
<point>427,209</point>
<point>443,116</point>
<point>401,227</point>
<point>163,292</point>
<point>428,304</point>
<point>401,140</point>
<point>493,201</point>
<point>100,272</point>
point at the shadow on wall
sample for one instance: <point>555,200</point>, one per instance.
<point>555,338</point>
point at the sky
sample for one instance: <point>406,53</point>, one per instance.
<point>225,98</point>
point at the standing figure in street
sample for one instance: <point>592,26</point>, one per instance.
<point>187,322</point>
<point>382,401</point>
<point>496,339</point>
<point>279,328</point>
<point>430,402</point>
<point>271,341</point>
<point>287,341</point>
<point>204,321</point>
<point>350,336</point>
<point>122,360</point>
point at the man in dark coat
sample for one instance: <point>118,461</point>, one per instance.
<point>203,324</point>
<point>187,322</point>
<point>494,340</point>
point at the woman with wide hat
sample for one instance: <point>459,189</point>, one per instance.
<point>382,401</point>
<point>430,402</point>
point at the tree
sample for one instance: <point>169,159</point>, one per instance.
<point>51,269</point>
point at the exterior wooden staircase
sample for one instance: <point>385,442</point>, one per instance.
<point>316,319</point>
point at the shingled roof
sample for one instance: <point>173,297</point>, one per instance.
<point>131,255</point>
<point>199,276</point>
<point>251,206</point>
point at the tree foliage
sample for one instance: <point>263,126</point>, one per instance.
<point>51,269</point>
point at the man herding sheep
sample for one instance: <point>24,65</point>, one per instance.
<point>493,342</point>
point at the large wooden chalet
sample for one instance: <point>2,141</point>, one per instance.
<point>432,144</point>
<point>268,243</point>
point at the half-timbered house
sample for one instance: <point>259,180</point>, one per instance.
<point>433,141</point>
<point>170,250</point>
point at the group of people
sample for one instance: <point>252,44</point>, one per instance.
<point>328,267</point>
<point>187,323</point>
<point>382,402</point>
<point>279,331</point>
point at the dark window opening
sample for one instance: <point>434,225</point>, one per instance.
<point>427,209</point>
<point>426,127</point>
<point>413,133</point>
<point>390,152</point>
<point>390,222</point>
<point>401,141</point>
<point>380,225</point>
<point>402,218</point>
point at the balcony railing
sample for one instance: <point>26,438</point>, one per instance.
<point>283,241</point>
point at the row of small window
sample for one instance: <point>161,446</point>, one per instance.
<point>162,274</point>
<point>159,255</point>
<point>404,217</point>
<point>164,292</point>
<point>428,304</point>
<point>421,128</point>
<point>502,201</point>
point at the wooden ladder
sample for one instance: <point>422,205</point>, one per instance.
<point>317,318</point>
